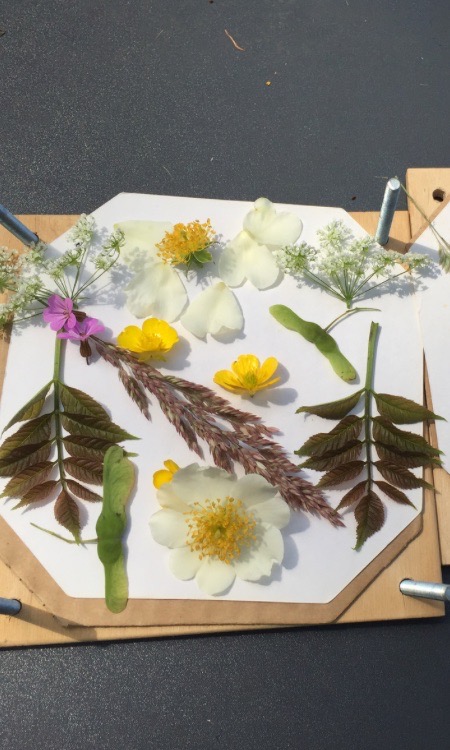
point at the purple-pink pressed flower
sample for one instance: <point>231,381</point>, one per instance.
<point>59,313</point>
<point>82,330</point>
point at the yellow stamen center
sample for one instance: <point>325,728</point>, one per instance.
<point>180,245</point>
<point>220,528</point>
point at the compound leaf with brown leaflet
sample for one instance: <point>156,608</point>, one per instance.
<point>333,409</point>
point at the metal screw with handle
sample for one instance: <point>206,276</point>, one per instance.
<point>426,590</point>
<point>19,230</point>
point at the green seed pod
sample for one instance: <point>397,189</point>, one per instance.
<point>313,333</point>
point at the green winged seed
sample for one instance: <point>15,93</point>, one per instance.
<point>118,483</point>
<point>316,335</point>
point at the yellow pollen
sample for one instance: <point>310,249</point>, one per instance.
<point>180,245</point>
<point>220,528</point>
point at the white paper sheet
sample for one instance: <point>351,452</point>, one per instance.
<point>319,560</point>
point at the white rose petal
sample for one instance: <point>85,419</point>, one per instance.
<point>271,228</point>
<point>254,489</point>
<point>156,290</point>
<point>143,235</point>
<point>275,511</point>
<point>215,310</point>
<point>194,481</point>
<point>184,563</point>
<point>169,528</point>
<point>243,258</point>
<point>214,577</point>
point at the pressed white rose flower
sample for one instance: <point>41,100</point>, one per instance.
<point>269,227</point>
<point>141,235</point>
<point>215,310</point>
<point>249,254</point>
<point>243,258</point>
<point>219,527</point>
<point>156,288</point>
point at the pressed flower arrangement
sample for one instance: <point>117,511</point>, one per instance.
<point>221,529</point>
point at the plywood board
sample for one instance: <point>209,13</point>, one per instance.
<point>430,188</point>
<point>381,600</point>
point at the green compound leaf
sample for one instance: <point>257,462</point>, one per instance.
<point>81,446</point>
<point>85,470</point>
<point>369,514</point>
<point>78,402</point>
<point>346,430</point>
<point>400,476</point>
<point>405,458</point>
<point>26,479</point>
<point>333,409</point>
<point>397,495</point>
<point>341,474</point>
<point>385,432</point>
<point>82,492</point>
<point>23,457</point>
<point>402,410</point>
<point>94,427</point>
<point>118,483</point>
<point>67,514</point>
<point>349,452</point>
<point>353,495</point>
<point>32,408</point>
<point>33,431</point>
<point>37,493</point>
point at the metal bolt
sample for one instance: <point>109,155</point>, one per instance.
<point>390,200</point>
<point>19,230</point>
<point>426,590</point>
<point>10,606</point>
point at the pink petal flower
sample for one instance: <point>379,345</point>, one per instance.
<point>59,313</point>
<point>82,330</point>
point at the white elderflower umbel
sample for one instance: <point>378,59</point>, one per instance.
<point>345,267</point>
<point>219,527</point>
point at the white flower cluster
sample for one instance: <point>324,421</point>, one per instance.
<point>110,251</point>
<point>346,267</point>
<point>83,231</point>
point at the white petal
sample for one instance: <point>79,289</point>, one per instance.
<point>243,258</point>
<point>143,235</point>
<point>195,483</point>
<point>169,528</point>
<point>253,489</point>
<point>215,310</point>
<point>271,228</point>
<point>214,576</point>
<point>169,498</point>
<point>274,511</point>
<point>156,290</point>
<point>258,561</point>
<point>184,563</point>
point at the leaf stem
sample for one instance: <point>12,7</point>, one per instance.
<point>57,410</point>
<point>348,313</point>
<point>373,335</point>
<point>63,538</point>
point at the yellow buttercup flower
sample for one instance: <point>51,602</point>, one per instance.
<point>155,339</point>
<point>164,476</point>
<point>187,244</point>
<point>247,375</point>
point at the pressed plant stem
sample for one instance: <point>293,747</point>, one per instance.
<point>347,313</point>
<point>57,410</point>
<point>367,399</point>
<point>63,538</point>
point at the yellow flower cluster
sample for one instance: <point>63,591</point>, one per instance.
<point>220,529</point>
<point>155,339</point>
<point>187,243</point>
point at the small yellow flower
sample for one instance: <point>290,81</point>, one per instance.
<point>154,340</point>
<point>247,375</point>
<point>187,244</point>
<point>164,476</point>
